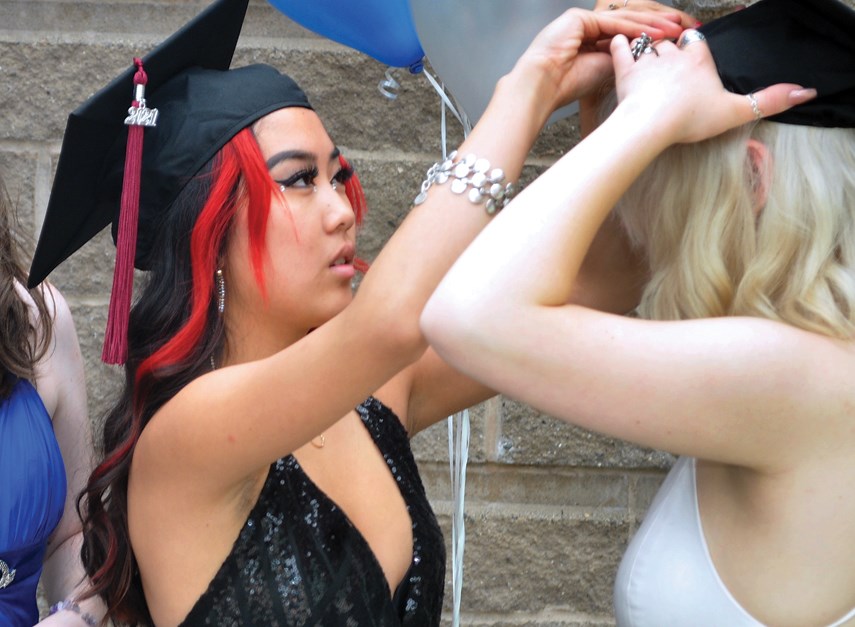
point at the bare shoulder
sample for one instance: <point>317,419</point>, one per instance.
<point>201,423</point>
<point>786,388</point>
<point>60,375</point>
<point>62,358</point>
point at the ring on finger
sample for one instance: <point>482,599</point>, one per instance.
<point>758,113</point>
<point>689,37</point>
<point>643,45</point>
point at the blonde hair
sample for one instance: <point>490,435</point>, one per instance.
<point>711,254</point>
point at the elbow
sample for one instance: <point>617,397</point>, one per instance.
<point>411,339</point>
<point>449,327</point>
<point>399,336</point>
<point>430,323</point>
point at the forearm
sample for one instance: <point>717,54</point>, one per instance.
<point>64,578</point>
<point>531,255</point>
<point>438,230</point>
<point>548,231</point>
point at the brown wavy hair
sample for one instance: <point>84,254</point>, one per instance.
<point>25,328</point>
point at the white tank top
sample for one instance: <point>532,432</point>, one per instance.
<point>666,577</point>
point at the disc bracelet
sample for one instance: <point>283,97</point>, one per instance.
<point>472,176</point>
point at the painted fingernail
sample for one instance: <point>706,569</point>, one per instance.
<point>698,24</point>
<point>798,96</point>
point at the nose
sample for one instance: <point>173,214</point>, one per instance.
<point>338,214</point>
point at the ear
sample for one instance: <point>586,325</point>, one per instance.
<point>760,161</point>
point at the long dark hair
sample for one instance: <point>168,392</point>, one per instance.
<point>171,341</point>
<point>24,338</point>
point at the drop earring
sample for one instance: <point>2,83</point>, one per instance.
<point>221,291</point>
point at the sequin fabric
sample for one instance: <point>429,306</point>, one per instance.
<point>298,559</point>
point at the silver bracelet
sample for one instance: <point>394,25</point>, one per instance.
<point>72,606</point>
<point>473,174</point>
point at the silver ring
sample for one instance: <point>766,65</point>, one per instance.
<point>689,37</point>
<point>758,113</point>
<point>643,45</point>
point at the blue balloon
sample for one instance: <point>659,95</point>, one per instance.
<point>382,29</point>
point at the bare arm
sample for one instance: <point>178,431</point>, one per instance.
<point>610,279</point>
<point>61,382</point>
<point>501,315</point>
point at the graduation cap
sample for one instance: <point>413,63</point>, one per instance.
<point>807,42</point>
<point>127,166</point>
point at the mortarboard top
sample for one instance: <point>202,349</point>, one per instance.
<point>201,106</point>
<point>807,42</point>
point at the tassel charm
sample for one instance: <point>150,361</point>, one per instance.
<point>139,118</point>
<point>140,115</point>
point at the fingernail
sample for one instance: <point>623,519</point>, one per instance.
<point>698,24</point>
<point>798,96</point>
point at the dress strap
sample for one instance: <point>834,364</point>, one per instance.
<point>844,619</point>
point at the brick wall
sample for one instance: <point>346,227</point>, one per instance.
<point>550,507</point>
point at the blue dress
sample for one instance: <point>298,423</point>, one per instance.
<point>32,498</point>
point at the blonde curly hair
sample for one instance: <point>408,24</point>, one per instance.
<point>713,253</point>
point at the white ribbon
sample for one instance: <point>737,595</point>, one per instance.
<point>458,456</point>
<point>458,434</point>
<point>389,87</point>
<point>459,113</point>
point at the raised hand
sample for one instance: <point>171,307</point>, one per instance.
<point>686,20</point>
<point>678,91</point>
<point>572,49</point>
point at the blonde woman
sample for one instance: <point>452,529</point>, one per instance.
<point>743,358</point>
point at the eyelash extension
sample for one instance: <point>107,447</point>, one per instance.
<point>344,175</point>
<point>307,175</point>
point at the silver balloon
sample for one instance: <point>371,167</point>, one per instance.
<point>472,43</point>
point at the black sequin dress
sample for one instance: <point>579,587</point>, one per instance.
<point>298,559</point>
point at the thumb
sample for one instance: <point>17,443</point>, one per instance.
<point>621,54</point>
<point>775,99</point>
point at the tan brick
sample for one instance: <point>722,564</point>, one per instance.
<point>517,562</point>
<point>531,437</point>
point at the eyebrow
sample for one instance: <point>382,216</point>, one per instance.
<point>301,155</point>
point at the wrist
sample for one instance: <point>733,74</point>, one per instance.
<point>69,605</point>
<point>648,131</point>
<point>472,176</point>
<point>533,88</point>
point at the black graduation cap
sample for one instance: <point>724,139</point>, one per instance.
<point>197,106</point>
<point>807,42</point>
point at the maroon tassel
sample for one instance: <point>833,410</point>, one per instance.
<point>116,337</point>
